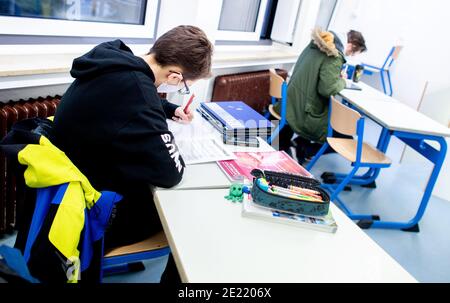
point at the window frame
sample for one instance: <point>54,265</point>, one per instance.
<point>333,14</point>
<point>224,35</point>
<point>18,26</point>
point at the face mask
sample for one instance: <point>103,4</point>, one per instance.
<point>167,88</point>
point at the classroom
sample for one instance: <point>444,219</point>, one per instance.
<point>204,141</point>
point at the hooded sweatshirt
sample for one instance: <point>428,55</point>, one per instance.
<point>112,125</point>
<point>339,41</point>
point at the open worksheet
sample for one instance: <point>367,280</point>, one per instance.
<point>203,150</point>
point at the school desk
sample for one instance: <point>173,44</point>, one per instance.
<point>212,242</point>
<point>413,128</point>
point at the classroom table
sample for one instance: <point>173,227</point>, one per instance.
<point>212,242</point>
<point>413,128</point>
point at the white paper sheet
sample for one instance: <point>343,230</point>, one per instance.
<point>203,150</point>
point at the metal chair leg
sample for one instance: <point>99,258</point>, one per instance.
<point>344,182</point>
<point>382,81</point>
<point>317,156</point>
<point>390,83</point>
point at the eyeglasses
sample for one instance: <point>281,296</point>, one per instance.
<point>184,90</point>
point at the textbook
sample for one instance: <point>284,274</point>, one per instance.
<point>274,161</point>
<point>235,119</point>
<point>254,211</point>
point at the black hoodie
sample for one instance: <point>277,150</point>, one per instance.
<point>112,124</point>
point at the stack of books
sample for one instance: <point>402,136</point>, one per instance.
<point>238,122</point>
<point>255,211</point>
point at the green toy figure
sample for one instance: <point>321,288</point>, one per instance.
<point>236,194</point>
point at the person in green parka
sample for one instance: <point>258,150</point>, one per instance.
<point>316,77</point>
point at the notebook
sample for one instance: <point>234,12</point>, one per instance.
<point>203,150</point>
<point>235,119</point>
<point>352,86</point>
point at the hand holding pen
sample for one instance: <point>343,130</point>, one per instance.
<point>184,115</point>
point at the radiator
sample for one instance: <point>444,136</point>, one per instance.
<point>9,114</point>
<point>251,88</point>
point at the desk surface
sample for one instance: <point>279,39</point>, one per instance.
<point>207,175</point>
<point>367,92</point>
<point>200,128</point>
<point>212,242</point>
<point>391,113</point>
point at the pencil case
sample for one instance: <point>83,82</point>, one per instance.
<point>262,196</point>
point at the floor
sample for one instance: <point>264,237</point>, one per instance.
<point>424,255</point>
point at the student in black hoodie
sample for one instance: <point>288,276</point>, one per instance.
<point>112,124</point>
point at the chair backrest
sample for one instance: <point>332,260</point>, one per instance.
<point>276,83</point>
<point>396,52</point>
<point>393,55</point>
<point>343,119</point>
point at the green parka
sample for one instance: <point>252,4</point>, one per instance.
<point>315,78</point>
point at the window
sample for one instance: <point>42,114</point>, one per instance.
<point>285,21</point>
<point>81,18</point>
<point>241,20</point>
<point>325,15</point>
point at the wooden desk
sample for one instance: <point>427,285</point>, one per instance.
<point>212,242</point>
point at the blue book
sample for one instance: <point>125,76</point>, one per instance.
<point>236,118</point>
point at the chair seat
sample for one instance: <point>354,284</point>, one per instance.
<point>347,149</point>
<point>273,112</point>
<point>156,241</point>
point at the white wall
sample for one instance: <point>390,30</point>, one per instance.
<point>422,27</point>
<point>419,25</point>
<point>436,105</point>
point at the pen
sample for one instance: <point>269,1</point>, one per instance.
<point>304,189</point>
<point>306,193</point>
<point>188,103</point>
<point>288,194</point>
<point>300,191</point>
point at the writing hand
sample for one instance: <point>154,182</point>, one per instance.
<point>182,117</point>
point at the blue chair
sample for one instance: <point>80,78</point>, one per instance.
<point>129,258</point>
<point>361,155</point>
<point>278,91</point>
<point>370,69</point>
<point>13,267</point>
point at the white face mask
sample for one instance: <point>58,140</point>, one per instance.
<point>167,88</point>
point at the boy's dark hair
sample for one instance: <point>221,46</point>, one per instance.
<point>357,40</point>
<point>185,46</point>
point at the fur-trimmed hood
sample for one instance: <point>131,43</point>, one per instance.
<point>325,42</point>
